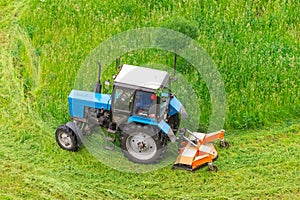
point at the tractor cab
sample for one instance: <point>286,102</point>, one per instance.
<point>140,92</point>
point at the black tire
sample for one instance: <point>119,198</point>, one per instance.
<point>224,144</point>
<point>212,168</point>
<point>142,144</point>
<point>66,138</point>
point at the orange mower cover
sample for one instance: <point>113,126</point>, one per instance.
<point>197,149</point>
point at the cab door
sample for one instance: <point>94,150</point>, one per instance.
<point>121,107</point>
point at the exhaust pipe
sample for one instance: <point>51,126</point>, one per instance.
<point>98,85</point>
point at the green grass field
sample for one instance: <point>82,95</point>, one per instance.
<point>254,44</point>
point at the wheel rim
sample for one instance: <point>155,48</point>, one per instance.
<point>141,146</point>
<point>65,140</point>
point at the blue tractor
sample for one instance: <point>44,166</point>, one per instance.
<point>141,115</point>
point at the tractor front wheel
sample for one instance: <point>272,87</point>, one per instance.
<point>66,139</point>
<point>142,144</point>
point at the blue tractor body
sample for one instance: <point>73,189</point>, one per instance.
<point>79,101</point>
<point>141,113</point>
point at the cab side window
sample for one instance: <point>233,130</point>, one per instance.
<point>144,101</point>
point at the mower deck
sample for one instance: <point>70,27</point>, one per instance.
<point>197,149</point>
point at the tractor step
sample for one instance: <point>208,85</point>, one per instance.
<point>110,148</point>
<point>110,143</point>
<point>110,139</point>
<point>111,131</point>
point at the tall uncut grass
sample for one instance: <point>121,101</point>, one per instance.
<point>254,44</point>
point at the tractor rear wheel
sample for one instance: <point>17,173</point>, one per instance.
<point>66,138</point>
<point>142,144</point>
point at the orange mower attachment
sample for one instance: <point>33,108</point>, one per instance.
<point>197,149</point>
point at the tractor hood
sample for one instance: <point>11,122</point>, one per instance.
<point>78,100</point>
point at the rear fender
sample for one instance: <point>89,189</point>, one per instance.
<point>162,125</point>
<point>177,107</point>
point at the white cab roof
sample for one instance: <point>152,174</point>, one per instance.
<point>142,77</point>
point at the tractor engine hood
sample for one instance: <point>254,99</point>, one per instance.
<point>78,100</point>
